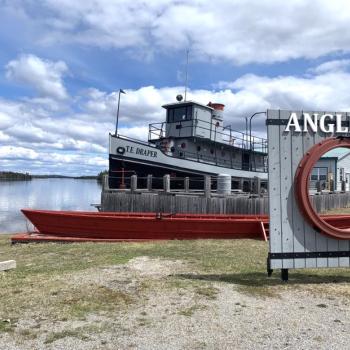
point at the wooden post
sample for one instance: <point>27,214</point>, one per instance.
<point>133,183</point>
<point>318,186</point>
<point>166,183</point>
<point>7,265</point>
<point>257,185</point>
<point>149,182</point>
<point>122,184</point>
<point>343,186</point>
<point>241,184</point>
<point>105,184</point>
<point>187,184</point>
<point>207,186</point>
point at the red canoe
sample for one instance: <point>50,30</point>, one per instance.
<point>112,226</point>
<point>145,226</point>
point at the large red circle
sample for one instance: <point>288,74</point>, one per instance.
<point>301,183</point>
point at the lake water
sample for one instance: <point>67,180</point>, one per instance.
<point>55,194</point>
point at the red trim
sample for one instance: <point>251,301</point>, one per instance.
<point>218,106</point>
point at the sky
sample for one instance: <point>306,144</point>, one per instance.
<point>62,63</point>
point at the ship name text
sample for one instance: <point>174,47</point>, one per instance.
<point>141,151</point>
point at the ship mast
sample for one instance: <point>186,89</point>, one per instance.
<point>186,78</point>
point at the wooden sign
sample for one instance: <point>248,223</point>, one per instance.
<point>294,242</point>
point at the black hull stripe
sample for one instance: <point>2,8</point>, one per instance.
<point>159,165</point>
<point>175,168</point>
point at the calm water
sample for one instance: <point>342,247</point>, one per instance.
<point>56,194</point>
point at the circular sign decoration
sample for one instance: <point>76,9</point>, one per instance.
<point>301,182</point>
<point>120,150</point>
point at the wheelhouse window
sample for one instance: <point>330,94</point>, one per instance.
<point>179,114</point>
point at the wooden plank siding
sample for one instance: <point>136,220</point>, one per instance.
<point>191,203</point>
<point>289,232</point>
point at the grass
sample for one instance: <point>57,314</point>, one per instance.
<point>59,335</point>
<point>207,291</point>
<point>79,332</point>
<point>6,325</point>
<point>188,312</point>
<point>40,285</point>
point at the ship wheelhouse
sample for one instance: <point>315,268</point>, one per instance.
<point>196,132</point>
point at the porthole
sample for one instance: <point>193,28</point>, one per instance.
<point>302,183</point>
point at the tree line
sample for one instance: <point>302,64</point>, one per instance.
<point>10,175</point>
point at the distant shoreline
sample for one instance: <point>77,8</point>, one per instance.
<point>49,177</point>
<point>64,177</point>
<point>13,176</point>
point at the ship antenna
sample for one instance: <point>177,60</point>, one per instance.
<point>186,79</point>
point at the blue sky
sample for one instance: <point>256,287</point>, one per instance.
<point>61,63</point>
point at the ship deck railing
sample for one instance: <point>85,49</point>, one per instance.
<point>217,161</point>
<point>228,136</point>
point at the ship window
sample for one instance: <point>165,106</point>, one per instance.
<point>170,117</point>
<point>179,114</point>
<point>189,112</point>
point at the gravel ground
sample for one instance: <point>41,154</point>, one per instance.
<point>169,312</point>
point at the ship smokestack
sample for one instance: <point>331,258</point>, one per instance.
<point>218,111</point>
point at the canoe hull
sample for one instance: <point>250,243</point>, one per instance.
<point>111,226</point>
<point>145,226</point>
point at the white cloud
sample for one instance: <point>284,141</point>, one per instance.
<point>13,152</point>
<point>331,66</point>
<point>43,75</point>
<point>32,133</point>
<point>237,31</point>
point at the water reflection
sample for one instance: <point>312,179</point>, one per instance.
<point>56,194</point>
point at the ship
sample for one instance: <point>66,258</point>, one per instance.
<point>192,142</point>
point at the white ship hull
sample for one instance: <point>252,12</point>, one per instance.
<point>145,159</point>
